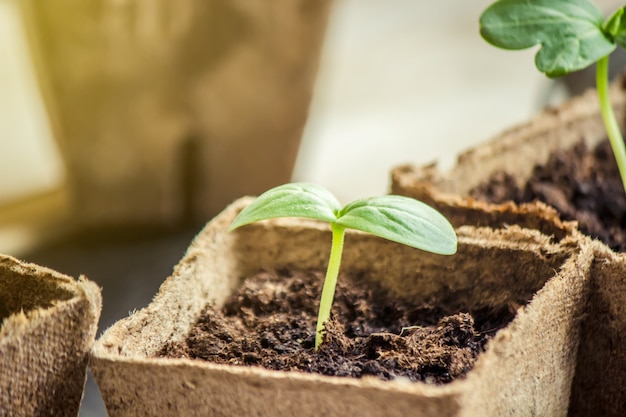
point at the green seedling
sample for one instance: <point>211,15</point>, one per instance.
<point>572,35</point>
<point>396,218</point>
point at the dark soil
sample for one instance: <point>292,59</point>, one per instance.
<point>270,322</point>
<point>582,184</point>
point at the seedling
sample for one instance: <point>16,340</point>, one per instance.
<point>396,218</point>
<point>572,35</point>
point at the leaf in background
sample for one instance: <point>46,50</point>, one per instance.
<point>403,220</point>
<point>570,32</point>
<point>616,27</point>
<point>291,200</point>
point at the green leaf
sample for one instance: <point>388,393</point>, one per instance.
<point>612,25</point>
<point>570,32</point>
<point>403,220</point>
<point>291,200</point>
<point>616,27</point>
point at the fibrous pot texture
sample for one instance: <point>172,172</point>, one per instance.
<point>48,323</point>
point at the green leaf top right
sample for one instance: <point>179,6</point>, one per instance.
<point>572,34</point>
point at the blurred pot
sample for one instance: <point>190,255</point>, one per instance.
<point>527,367</point>
<point>167,111</point>
<point>48,323</point>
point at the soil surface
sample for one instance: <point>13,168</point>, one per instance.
<point>270,322</point>
<point>582,184</point>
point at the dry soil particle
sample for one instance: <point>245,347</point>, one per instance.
<point>582,184</point>
<point>270,322</point>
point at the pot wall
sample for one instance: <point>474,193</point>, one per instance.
<point>598,388</point>
<point>48,324</point>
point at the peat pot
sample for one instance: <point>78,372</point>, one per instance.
<point>48,323</point>
<point>526,369</point>
<point>166,111</point>
<point>513,155</point>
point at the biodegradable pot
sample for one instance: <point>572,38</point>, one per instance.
<point>526,369</point>
<point>48,324</point>
<point>168,111</point>
<point>598,385</point>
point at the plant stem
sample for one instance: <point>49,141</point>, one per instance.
<point>610,123</point>
<point>330,282</point>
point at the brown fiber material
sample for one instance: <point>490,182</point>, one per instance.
<point>600,380</point>
<point>526,369</point>
<point>48,324</point>
<point>598,388</point>
<point>418,183</point>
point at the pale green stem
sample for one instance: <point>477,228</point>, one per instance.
<point>330,282</point>
<point>610,122</point>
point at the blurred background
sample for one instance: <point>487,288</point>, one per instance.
<point>125,125</point>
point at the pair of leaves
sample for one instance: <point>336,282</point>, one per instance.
<point>396,218</point>
<point>572,33</point>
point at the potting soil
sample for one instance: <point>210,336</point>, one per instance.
<point>583,184</point>
<point>270,322</point>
